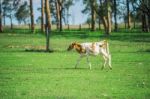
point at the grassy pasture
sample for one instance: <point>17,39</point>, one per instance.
<point>28,72</point>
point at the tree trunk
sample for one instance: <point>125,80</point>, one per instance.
<point>80,27</point>
<point>134,24</point>
<point>32,16</point>
<point>148,16</point>
<point>60,10</point>
<point>128,15</point>
<point>125,25</point>
<point>57,15</point>
<point>42,16</point>
<point>11,23</point>
<point>109,22</point>
<point>99,23</point>
<point>1,26</point>
<point>145,27</point>
<point>68,27</point>
<point>148,4</point>
<point>93,15</point>
<point>105,24</point>
<point>60,20</point>
<point>89,25</point>
<point>108,17</point>
<point>115,15</point>
<point>143,22</point>
<point>147,23</point>
<point>48,23</point>
<point>4,18</point>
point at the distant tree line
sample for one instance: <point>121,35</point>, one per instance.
<point>105,12</point>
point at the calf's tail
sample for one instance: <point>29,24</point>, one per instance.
<point>109,55</point>
<point>106,45</point>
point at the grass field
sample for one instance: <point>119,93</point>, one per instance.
<point>27,72</point>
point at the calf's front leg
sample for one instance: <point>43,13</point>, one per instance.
<point>78,61</point>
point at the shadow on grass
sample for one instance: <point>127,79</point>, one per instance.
<point>143,51</point>
<point>39,50</point>
<point>134,35</point>
<point>122,35</point>
<point>68,68</point>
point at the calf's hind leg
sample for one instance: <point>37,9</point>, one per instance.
<point>109,62</point>
<point>107,59</point>
<point>105,62</point>
<point>88,61</point>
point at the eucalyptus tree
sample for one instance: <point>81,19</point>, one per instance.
<point>61,6</point>
<point>89,9</point>
<point>67,6</point>
<point>8,9</point>
<point>32,16</point>
<point>143,9</point>
<point>1,26</point>
<point>115,14</point>
<point>48,23</point>
<point>128,14</point>
<point>5,7</point>
<point>88,21</point>
<point>42,15</point>
<point>103,9</point>
<point>23,13</point>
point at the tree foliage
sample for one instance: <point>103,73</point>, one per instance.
<point>23,13</point>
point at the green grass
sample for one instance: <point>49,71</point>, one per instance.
<point>26,73</point>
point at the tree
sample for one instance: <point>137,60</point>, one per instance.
<point>128,14</point>
<point>115,15</point>
<point>90,9</point>
<point>5,6</point>
<point>61,7</point>
<point>145,19</point>
<point>32,16</point>
<point>93,14</point>
<point>48,23</point>
<point>143,7</point>
<point>103,10</point>
<point>1,26</point>
<point>9,7</point>
<point>57,15</point>
<point>67,6</point>
<point>8,10</point>
<point>22,13</point>
<point>42,15</point>
<point>60,12</point>
<point>88,21</point>
<point>108,16</point>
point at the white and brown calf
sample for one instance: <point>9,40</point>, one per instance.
<point>92,48</point>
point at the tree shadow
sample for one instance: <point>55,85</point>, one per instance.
<point>121,35</point>
<point>39,50</point>
<point>147,51</point>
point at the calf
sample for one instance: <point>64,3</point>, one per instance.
<point>92,48</point>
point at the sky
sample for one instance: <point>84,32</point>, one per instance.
<point>76,17</point>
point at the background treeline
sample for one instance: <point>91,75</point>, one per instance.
<point>104,14</point>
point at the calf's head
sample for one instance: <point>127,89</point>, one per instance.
<point>71,46</point>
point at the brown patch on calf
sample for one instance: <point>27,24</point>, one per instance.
<point>79,48</point>
<point>104,45</point>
